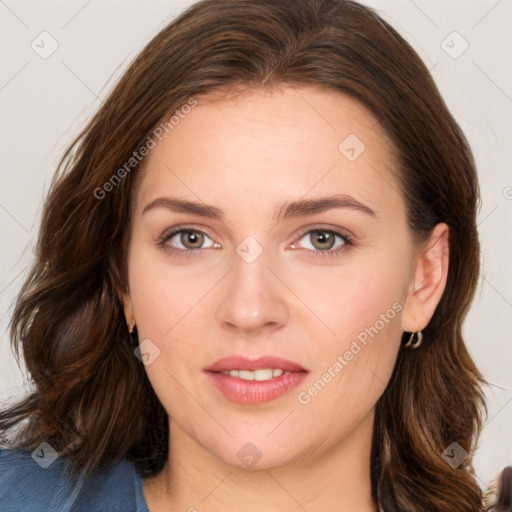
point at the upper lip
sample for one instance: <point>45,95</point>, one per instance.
<point>243,363</point>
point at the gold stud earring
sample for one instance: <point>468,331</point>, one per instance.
<point>131,328</point>
<point>418,341</point>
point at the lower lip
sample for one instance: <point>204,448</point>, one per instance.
<point>252,392</point>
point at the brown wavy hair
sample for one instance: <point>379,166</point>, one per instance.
<point>92,400</point>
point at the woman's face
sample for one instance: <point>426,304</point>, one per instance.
<point>260,282</point>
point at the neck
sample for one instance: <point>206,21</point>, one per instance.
<point>326,478</point>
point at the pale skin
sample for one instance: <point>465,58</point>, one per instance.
<point>247,156</point>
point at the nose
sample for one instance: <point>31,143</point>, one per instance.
<point>254,299</point>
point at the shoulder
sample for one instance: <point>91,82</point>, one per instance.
<point>35,481</point>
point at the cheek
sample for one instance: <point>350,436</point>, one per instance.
<point>164,304</point>
<point>163,295</point>
<point>353,297</point>
<point>169,302</point>
<point>353,367</point>
<point>360,306</point>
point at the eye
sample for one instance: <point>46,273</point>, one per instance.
<point>322,242</point>
<point>189,241</point>
<point>183,241</point>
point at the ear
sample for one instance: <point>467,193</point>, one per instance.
<point>120,289</point>
<point>128,310</point>
<point>428,280</point>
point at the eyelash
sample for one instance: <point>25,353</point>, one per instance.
<point>329,253</point>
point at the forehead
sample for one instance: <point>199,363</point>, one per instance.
<point>261,148</point>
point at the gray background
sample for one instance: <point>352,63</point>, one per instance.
<point>45,102</point>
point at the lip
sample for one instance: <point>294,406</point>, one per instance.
<point>251,392</point>
<point>243,363</point>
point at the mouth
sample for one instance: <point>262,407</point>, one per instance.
<point>254,381</point>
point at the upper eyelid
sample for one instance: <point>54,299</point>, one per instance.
<point>316,227</point>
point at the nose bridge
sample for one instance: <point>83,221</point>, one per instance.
<point>254,298</point>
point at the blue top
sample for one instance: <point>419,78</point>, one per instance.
<point>39,482</point>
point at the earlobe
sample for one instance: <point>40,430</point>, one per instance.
<point>428,280</point>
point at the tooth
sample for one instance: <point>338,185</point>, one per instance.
<point>258,375</point>
<point>265,374</point>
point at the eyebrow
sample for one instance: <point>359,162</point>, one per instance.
<point>288,210</point>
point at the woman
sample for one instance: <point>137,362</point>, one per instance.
<point>251,280</point>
